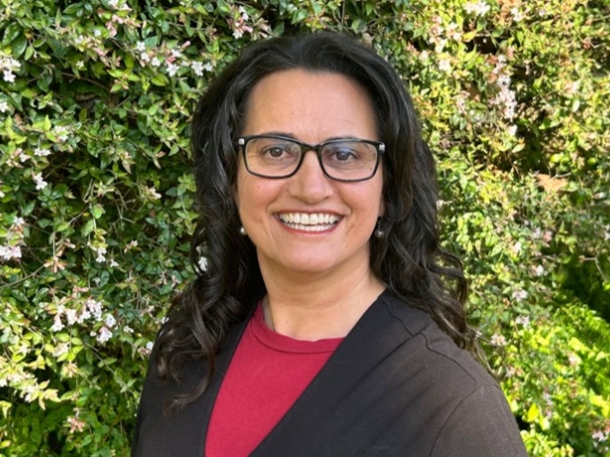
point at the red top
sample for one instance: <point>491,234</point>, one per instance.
<point>267,374</point>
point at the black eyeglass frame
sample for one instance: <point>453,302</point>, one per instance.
<point>379,147</point>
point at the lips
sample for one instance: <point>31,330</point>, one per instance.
<point>309,222</point>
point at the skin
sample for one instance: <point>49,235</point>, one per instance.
<point>318,283</point>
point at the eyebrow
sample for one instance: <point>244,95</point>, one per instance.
<point>294,137</point>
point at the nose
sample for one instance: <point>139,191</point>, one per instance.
<point>309,183</point>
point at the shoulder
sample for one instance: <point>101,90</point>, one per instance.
<point>422,337</point>
<point>457,406</point>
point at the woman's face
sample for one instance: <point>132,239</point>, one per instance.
<point>313,108</point>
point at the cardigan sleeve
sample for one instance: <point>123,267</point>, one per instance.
<point>480,425</point>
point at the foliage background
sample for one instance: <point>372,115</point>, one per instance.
<point>95,193</point>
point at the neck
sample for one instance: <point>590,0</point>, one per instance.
<point>318,306</point>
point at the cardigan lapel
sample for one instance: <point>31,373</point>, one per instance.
<point>326,407</point>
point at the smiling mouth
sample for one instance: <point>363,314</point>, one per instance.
<point>309,222</point>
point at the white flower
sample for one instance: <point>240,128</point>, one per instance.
<point>80,64</point>
<point>520,295</point>
<point>113,263</point>
<point>440,45</point>
<point>100,254</point>
<point>538,270</point>
<point>23,157</point>
<point>127,329</point>
<point>10,252</point>
<point>203,264</point>
<point>537,233</point>
<point>517,15</point>
<point>132,244</point>
<point>479,8</point>
<point>41,152</point>
<point>18,221</point>
<point>144,57</point>
<point>95,308</point>
<point>61,133</point>
<point>149,346</point>
<point>3,106</point>
<point>176,53</point>
<point>197,68</point>
<point>516,248</point>
<point>61,349</point>
<point>453,32</point>
<point>57,324</point>
<point>152,192</point>
<point>444,65</point>
<point>512,130</point>
<point>155,62</point>
<point>8,76</point>
<point>172,69</point>
<point>113,3</point>
<point>141,46</point>
<point>97,33</point>
<point>104,335</point>
<point>84,315</point>
<point>504,80</point>
<point>244,14</point>
<point>71,316</point>
<point>523,320</point>
<point>573,359</point>
<point>110,321</point>
<point>10,64</point>
<point>40,183</point>
<point>498,340</point>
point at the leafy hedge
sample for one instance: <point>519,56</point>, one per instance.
<point>96,205</point>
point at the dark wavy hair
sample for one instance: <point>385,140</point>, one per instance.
<point>407,259</point>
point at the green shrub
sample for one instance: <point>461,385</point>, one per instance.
<point>96,193</point>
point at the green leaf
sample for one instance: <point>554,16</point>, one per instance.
<point>160,80</point>
<point>88,228</point>
<point>533,413</point>
<point>62,227</point>
<point>97,211</point>
<point>12,31</point>
<point>19,45</point>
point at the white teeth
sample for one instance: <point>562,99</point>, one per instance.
<point>315,222</point>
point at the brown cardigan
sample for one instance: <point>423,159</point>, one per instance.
<point>396,386</point>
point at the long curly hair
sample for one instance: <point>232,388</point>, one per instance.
<point>407,259</point>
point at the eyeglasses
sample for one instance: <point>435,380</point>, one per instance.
<point>274,156</point>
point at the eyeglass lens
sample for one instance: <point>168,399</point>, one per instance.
<point>340,159</point>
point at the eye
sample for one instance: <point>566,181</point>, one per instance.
<point>345,154</point>
<point>341,153</point>
<point>275,151</point>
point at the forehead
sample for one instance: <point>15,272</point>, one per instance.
<point>311,106</point>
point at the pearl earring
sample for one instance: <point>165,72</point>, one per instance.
<point>242,231</point>
<point>378,231</point>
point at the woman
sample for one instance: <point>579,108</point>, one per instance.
<point>322,325</point>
